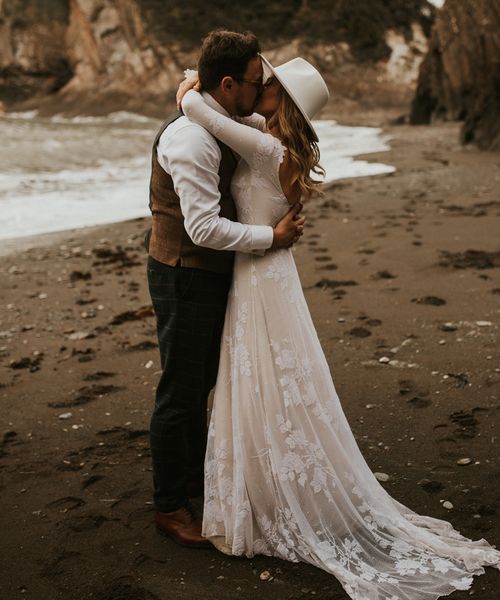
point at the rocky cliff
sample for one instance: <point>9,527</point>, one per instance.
<point>105,54</point>
<point>460,76</point>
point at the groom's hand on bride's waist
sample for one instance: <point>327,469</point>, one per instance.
<point>289,229</point>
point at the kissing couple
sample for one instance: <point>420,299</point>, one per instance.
<point>280,469</point>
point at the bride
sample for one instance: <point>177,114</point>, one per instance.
<point>284,475</point>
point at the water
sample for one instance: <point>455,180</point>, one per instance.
<point>59,173</point>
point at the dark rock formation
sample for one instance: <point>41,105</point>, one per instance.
<point>460,76</point>
<point>33,57</point>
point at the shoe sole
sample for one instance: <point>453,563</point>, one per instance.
<point>171,536</point>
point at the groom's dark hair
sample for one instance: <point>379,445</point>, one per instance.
<point>225,54</point>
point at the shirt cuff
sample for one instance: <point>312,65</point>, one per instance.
<point>262,237</point>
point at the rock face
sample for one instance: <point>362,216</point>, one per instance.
<point>96,54</point>
<point>33,57</point>
<point>460,76</point>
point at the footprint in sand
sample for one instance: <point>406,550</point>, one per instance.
<point>66,503</point>
<point>98,375</point>
<point>87,522</point>
<point>359,332</point>
<point>467,422</point>
<point>417,395</point>
<point>124,587</point>
<point>470,259</point>
<point>322,258</point>
<point>429,300</point>
<point>86,395</point>
<point>141,346</point>
<point>384,274</point>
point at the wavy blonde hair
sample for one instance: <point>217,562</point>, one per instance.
<point>295,133</point>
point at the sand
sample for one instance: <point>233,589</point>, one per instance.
<point>401,274</point>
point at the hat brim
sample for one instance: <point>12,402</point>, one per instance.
<point>275,74</point>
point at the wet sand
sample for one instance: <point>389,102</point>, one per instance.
<point>402,277</point>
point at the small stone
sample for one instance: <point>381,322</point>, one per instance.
<point>483,323</point>
<point>265,575</point>
<point>15,270</point>
<point>78,335</point>
<point>66,415</point>
<point>384,359</point>
<point>464,461</point>
<point>448,327</point>
<point>43,295</point>
<point>382,477</point>
<point>448,505</point>
<point>369,406</point>
<point>149,364</point>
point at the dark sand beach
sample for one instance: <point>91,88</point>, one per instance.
<point>402,276</point>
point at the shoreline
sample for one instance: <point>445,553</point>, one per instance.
<point>401,273</point>
<point>52,195</point>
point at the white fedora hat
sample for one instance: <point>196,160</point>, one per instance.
<point>303,83</point>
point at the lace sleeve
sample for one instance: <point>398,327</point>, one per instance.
<point>254,120</point>
<point>253,145</point>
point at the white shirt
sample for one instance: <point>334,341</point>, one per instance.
<point>191,156</point>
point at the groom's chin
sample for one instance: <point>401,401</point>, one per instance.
<point>246,113</point>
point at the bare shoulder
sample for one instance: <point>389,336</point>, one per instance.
<point>286,175</point>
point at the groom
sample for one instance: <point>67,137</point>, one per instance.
<point>191,251</point>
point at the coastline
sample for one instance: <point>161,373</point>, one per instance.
<point>401,267</point>
<point>95,170</point>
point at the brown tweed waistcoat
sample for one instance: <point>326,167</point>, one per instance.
<point>169,242</point>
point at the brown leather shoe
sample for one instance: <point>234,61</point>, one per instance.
<point>183,526</point>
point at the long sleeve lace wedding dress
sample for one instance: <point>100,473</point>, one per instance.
<point>284,475</point>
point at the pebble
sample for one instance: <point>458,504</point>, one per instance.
<point>78,335</point>
<point>66,415</point>
<point>265,575</point>
<point>464,461</point>
<point>483,323</point>
<point>149,364</point>
<point>15,270</point>
<point>382,476</point>
<point>447,504</point>
<point>384,359</point>
<point>43,295</point>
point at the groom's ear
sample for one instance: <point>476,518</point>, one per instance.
<point>227,84</point>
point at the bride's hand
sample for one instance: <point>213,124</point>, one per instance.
<point>191,82</point>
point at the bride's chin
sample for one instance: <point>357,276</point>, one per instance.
<point>259,109</point>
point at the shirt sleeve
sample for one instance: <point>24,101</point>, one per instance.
<point>253,145</point>
<point>192,158</point>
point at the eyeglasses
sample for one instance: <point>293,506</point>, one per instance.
<point>258,84</point>
<point>269,81</point>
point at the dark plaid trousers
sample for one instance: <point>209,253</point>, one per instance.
<point>190,305</point>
